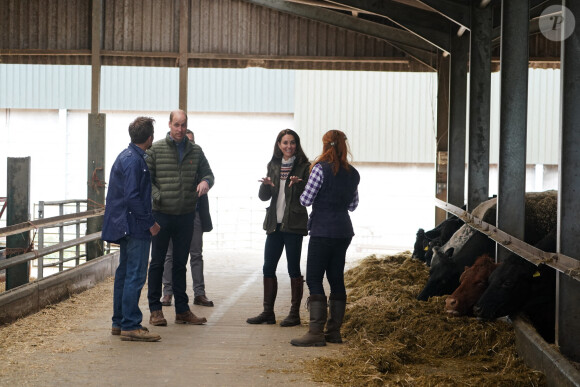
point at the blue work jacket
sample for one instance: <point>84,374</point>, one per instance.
<point>128,204</point>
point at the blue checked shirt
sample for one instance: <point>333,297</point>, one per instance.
<point>313,186</point>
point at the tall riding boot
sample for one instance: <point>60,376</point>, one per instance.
<point>318,312</point>
<point>336,306</point>
<point>297,286</point>
<point>270,291</point>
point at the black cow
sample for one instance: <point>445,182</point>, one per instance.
<point>444,277</point>
<point>425,241</point>
<point>519,286</point>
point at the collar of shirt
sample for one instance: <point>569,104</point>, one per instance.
<point>139,151</point>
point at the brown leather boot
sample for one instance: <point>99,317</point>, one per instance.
<point>157,318</point>
<point>141,334</point>
<point>297,286</point>
<point>189,318</point>
<point>318,313</point>
<point>270,292</point>
<point>336,307</point>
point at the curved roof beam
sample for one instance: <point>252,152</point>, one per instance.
<point>429,26</point>
<point>456,11</point>
<point>405,41</point>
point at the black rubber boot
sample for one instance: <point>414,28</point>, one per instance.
<point>336,306</point>
<point>270,291</point>
<point>318,312</point>
<point>297,286</point>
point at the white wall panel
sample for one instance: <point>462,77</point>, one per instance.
<point>388,117</point>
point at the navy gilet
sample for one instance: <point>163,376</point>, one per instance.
<point>329,217</point>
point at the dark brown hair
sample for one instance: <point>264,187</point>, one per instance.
<point>300,156</point>
<point>140,129</point>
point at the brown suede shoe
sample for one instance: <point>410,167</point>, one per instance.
<point>189,318</point>
<point>157,319</point>
<point>142,334</point>
<point>115,331</point>
<point>166,300</point>
<point>202,300</point>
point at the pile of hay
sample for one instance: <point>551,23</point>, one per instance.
<point>393,339</point>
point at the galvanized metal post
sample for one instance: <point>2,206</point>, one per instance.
<point>18,198</point>
<point>479,105</point>
<point>40,261</point>
<point>60,239</point>
<point>78,234</point>
<point>457,119</point>
<point>568,289</point>
<point>442,134</point>
<point>511,204</point>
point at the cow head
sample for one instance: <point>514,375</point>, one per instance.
<point>443,278</point>
<point>419,247</point>
<point>507,289</point>
<point>473,282</point>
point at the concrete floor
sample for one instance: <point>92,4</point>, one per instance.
<point>225,352</point>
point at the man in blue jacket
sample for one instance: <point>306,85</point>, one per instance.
<point>129,222</point>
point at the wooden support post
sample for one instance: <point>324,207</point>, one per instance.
<point>96,182</point>
<point>97,140</point>
<point>183,51</point>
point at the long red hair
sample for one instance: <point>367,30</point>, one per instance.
<point>335,151</point>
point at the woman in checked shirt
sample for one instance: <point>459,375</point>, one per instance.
<point>332,190</point>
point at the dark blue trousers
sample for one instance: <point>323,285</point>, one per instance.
<point>178,229</point>
<point>275,243</point>
<point>326,255</point>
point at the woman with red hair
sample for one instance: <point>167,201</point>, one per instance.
<point>332,190</point>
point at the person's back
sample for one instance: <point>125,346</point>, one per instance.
<point>329,216</point>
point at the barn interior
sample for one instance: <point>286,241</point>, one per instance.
<point>462,41</point>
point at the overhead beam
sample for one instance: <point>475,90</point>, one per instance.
<point>183,50</point>
<point>396,37</point>
<point>97,34</point>
<point>456,11</point>
<point>429,26</point>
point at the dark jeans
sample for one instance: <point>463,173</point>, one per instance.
<point>130,277</point>
<point>178,229</point>
<point>275,243</point>
<point>326,255</point>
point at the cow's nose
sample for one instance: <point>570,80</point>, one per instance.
<point>476,310</point>
<point>450,303</point>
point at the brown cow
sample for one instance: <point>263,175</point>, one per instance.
<point>474,281</point>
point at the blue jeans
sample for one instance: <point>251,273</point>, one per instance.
<point>130,277</point>
<point>178,229</point>
<point>326,255</point>
<point>275,243</point>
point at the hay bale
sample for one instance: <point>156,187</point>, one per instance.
<point>393,339</point>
